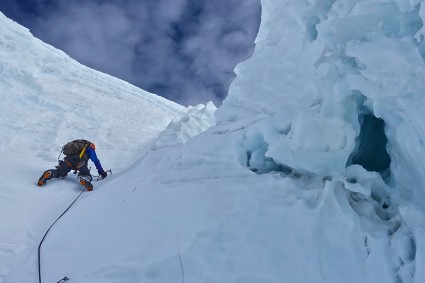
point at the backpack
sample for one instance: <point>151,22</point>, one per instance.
<point>75,147</point>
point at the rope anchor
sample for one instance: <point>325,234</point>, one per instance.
<point>63,280</point>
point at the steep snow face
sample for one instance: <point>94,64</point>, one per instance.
<point>327,75</point>
<point>187,124</point>
<point>54,99</point>
<point>47,99</point>
<point>285,188</point>
<point>288,186</point>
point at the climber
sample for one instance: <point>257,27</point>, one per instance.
<point>77,154</point>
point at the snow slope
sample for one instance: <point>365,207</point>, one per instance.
<point>311,174</point>
<point>278,191</point>
<point>47,99</point>
<point>59,99</point>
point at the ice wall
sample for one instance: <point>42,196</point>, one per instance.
<point>329,77</point>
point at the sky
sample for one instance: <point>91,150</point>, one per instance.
<point>183,50</point>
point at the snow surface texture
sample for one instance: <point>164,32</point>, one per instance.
<point>47,99</point>
<point>311,174</point>
<point>350,78</point>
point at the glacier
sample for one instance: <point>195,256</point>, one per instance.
<point>310,171</point>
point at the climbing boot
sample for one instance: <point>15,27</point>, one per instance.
<point>85,181</point>
<point>47,175</point>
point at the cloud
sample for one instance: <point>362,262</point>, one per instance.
<point>184,50</point>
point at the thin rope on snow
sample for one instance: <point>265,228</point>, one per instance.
<point>42,240</point>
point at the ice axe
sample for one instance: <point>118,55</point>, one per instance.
<point>98,177</point>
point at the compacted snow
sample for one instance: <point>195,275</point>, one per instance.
<point>310,171</point>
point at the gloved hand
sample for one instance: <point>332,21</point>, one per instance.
<point>103,174</point>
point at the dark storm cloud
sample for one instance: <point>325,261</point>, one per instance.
<point>184,50</point>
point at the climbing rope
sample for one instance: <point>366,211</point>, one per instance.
<point>180,257</point>
<point>39,246</point>
<point>176,222</point>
